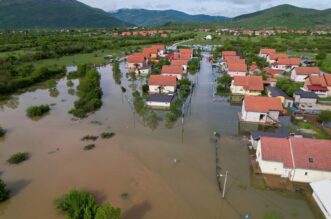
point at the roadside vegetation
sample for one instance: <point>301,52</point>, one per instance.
<point>35,111</point>
<point>185,88</point>
<point>223,85</point>
<point>117,74</point>
<point>316,131</point>
<point>18,158</point>
<point>89,92</point>
<point>79,204</point>
<point>193,66</point>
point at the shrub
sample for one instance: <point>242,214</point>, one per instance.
<point>89,147</point>
<point>78,205</point>
<point>70,83</point>
<point>106,135</point>
<point>89,137</point>
<point>40,110</point>
<point>18,158</point>
<point>4,193</point>
<point>108,212</point>
<point>2,132</point>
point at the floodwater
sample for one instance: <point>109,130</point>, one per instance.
<point>135,170</point>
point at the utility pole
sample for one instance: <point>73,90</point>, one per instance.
<point>224,186</point>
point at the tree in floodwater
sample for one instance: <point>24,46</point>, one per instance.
<point>82,205</point>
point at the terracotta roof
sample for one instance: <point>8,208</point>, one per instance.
<point>307,153</point>
<point>228,58</point>
<point>229,53</point>
<point>276,149</point>
<point>307,70</point>
<point>262,104</point>
<point>186,51</point>
<point>185,56</point>
<point>136,58</point>
<point>158,47</point>
<point>317,88</point>
<point>172,69</point>
<point>162,80</point>
<point>274,56</point>
<point>318,150</point>
<point>179,62</point>
<point>236,61</point>
<point>267,51</point>
<point>234,67</point>
<point>148,51</point>
<point>249,82</point>
<point>288,61</point>
<point>321,80</point>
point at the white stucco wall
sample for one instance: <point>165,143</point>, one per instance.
<point>307,176</point>
<point>166,89</point>
<point>158,104</point>
<point>236,73</point>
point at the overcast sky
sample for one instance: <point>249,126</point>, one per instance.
<point>228,8</point>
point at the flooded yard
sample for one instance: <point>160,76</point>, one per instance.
<point>135,170</point>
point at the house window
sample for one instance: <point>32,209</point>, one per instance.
<point>311,160</point>
<point>306,173</point>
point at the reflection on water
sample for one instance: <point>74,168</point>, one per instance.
<point>138,161</point>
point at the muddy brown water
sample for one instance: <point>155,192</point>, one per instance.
<point>135,170</point>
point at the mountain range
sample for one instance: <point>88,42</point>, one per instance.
<point>286,16</point>
<point>53,14</point>
<point>143,17</point>
<point>21,14</point>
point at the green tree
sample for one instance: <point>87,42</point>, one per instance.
<point>4,192</point>
<point>225,80</point>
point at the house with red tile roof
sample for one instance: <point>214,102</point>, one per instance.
<point>181,62</point>
<point>296,158</point>
<point>173,70</point>
<point>135,61</point>
<point>228,53</point>
<point>300,74</point>
<point>263,110</point>
<point>247,85</point>
<point>264,52</point>
<point>274,57</point>
<point>286,64</point>
<point>236,69</point>
<point>160,49</point>
<point>162,84</point>
<point>320,85</point>
<point>185,56</point>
